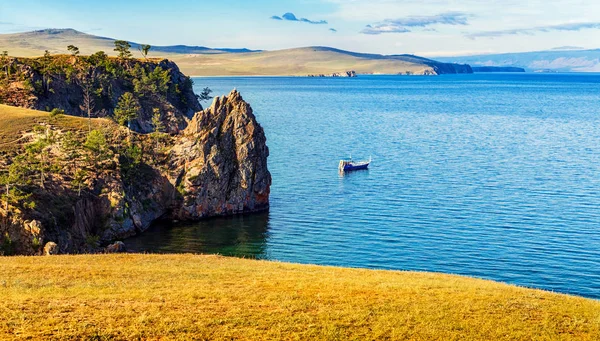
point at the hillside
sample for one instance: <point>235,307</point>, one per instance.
<point>552,60</point>
<point>184,297</point>
<point>311,60</point>
<point>34,43</point>
<point>202,61</point>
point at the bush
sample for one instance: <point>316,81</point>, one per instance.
<point>56,113</point>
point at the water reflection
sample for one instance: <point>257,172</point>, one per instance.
<point>241,236</point>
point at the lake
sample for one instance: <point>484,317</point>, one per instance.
<point>494,176</point>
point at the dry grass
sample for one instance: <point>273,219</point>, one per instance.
<point>183,297</point>
<point>293,62</point>
<point>15,121</point>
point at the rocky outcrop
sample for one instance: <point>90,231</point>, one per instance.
<point>217,166</point>
<point>19,236</point>
<point>221,162</point>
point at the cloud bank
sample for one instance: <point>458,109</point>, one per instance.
<point>403,25</point>
<point>292,17</point>
<point>534,30</point>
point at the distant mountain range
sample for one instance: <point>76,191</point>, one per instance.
<point>204,61</point>
<point>563,59</point>
<point>57,40</point>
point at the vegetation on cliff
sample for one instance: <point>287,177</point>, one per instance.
<point>82,182</point>
<point>185,297</point>
<point>91,86</point>
<point>83,189</point>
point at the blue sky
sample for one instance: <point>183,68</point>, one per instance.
<point>424,27</point>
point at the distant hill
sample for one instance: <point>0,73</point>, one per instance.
<point>564,59</point>
<point>479,69</point>
<point>204,61</point>
<point>33,43</point>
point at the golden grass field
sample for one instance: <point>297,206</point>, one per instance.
<point>192,297</point>
<point>15,121</point>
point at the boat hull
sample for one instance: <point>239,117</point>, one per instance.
<point>350,168</point>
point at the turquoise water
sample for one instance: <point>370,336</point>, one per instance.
<point>489,175</point>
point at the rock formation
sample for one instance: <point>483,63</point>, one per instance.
<point>216,166</point>
<point>221,161</point>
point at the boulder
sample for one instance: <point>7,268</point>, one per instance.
<point>117,247</point>
<point>51,248</point>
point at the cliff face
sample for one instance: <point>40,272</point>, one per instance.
<point>449,68</point>
<point>216,166</point>
<point>221,161</point>
<point>61,82</point>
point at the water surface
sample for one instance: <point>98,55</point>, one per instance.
<point>489,175</point>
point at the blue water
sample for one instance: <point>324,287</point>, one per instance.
<point>489,175</point>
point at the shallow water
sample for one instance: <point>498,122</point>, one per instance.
<point>488,175</point>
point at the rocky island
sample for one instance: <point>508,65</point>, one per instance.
<point>146,152</point>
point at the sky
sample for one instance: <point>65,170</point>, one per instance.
<point>422,27</point>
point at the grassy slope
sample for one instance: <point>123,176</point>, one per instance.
<point>16,121</point>
<point>210,297</point>
<point>296,62</point>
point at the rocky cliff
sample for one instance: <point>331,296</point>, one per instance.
<point>216,166</point>
<point>74,83</point>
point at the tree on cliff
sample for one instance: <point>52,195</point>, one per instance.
<point>159,127</point>
<point>144,49</point>
<point>14,177</point>
<point>123,47</point>
<point>73,49</point>
<point>38,155</point>
<point>79,179</point>
<point>127,110</point>
<point>205,94</point>
<point>4,62</point>
<point>71,150</point>
<point>98,147</point>
<point>87,78</point>
<point>47,71</point>
<point>4,76</point>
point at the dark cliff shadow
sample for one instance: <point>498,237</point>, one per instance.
<point>239,236</point>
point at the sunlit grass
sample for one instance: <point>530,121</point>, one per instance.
<point>214,298</point>
<point>15,121</point>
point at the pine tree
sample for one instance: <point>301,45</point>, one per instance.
<point>98,147</point>
<point>122,48</point>
<point>12,180</point>
<point>73,49</point>
<point>144,49</point>
<point>126,111</point>
<point>159,127</point>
